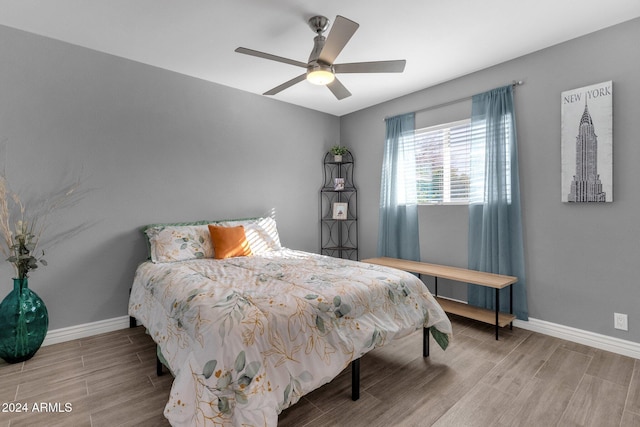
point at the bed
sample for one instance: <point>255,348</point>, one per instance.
<point>246,336</point>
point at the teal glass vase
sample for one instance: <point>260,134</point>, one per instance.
<point>24,321</point>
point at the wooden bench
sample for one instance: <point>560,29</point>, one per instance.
<point>490,280</point>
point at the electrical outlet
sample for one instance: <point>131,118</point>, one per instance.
<point>620,321</point>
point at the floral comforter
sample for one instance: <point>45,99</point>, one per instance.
<point>247,337</point>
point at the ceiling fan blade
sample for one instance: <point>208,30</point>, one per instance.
<point>285,85</point>
<point>271,57</point>
<point>340,33</point>
<point>338,89</point>
<point>371,67</point>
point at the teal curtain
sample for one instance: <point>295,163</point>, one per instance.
<point>398,222</point>
<point>495,224</point>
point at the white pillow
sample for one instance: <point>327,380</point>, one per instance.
<point>262,233</point>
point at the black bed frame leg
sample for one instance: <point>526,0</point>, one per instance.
<point>355,366</point>
<point>132,320</point>
<point>425,342</point>
<point>134,323</point>
<point>158,367</point>
<point>355,379</point>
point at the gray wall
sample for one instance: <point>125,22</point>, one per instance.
<point>153,146</point>
<point>157,146</point>
<point>582,260</point>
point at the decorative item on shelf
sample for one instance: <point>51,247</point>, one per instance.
<point>338,152</point>
<point>340,210</point>
<point>338,184</point>
<point>24,318</point>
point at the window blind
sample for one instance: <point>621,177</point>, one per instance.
<point>442,163</point>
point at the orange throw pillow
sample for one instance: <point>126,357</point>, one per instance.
<point>229,241</point>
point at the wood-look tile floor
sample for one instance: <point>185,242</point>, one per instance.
<point>524,379</point>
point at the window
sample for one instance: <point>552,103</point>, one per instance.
<point>442,163</point>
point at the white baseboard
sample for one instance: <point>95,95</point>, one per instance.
<point>603,342</point>
<point>592,339</point>
<point>86,330</point>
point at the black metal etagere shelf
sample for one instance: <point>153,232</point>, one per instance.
<point>339,208</point>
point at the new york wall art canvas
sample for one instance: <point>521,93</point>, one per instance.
<point>587,144</point>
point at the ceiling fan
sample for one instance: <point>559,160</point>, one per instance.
<point>321,69</point>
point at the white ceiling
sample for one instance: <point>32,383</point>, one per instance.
<point>439,39</point>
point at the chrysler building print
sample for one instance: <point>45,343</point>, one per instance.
<point>586,185</point>
<point>587,170</point>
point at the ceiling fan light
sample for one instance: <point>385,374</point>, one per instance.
<point>320,76</point>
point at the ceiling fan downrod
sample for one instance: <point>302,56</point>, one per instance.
<point>319,25</point>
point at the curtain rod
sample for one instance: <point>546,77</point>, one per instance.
<point>455,101</point>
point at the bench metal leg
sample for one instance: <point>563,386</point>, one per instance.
<point>511,305</point>
<point>425,342</point>
<point>355,379</point>
<point>497,311</point>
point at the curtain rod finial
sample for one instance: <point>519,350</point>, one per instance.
<point>517,83</point>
